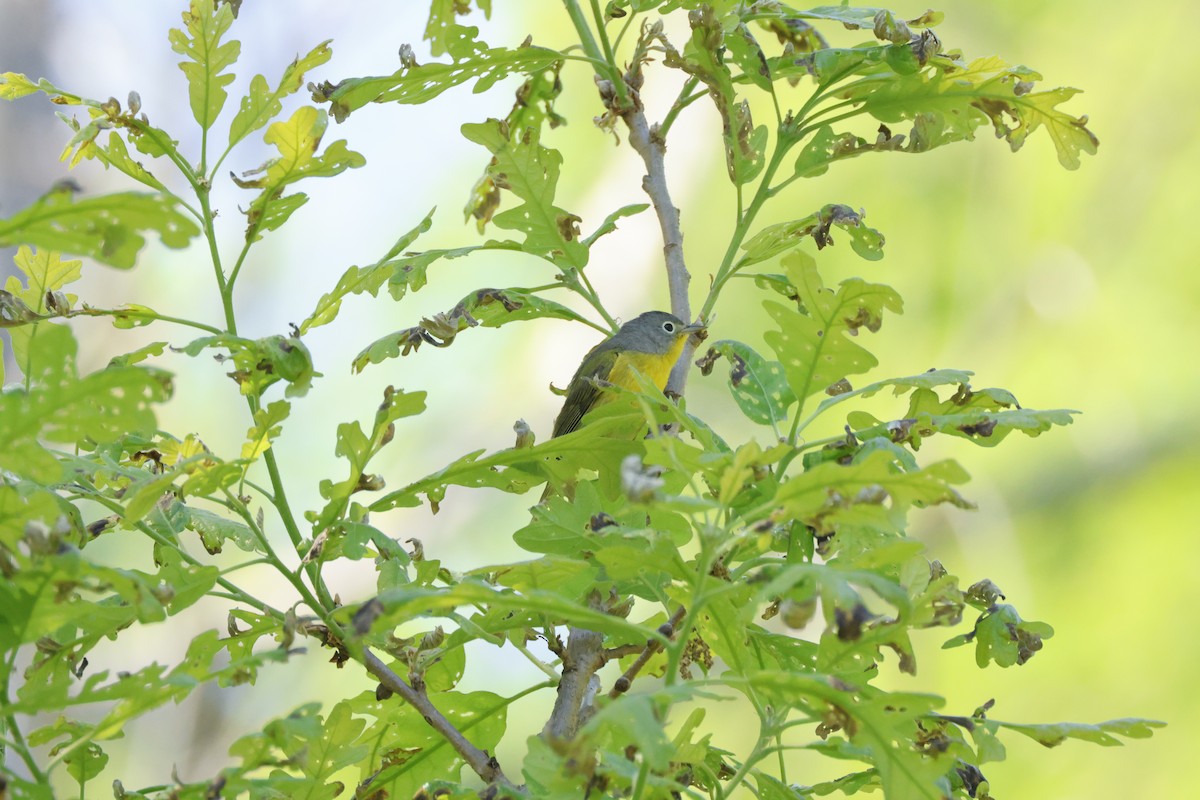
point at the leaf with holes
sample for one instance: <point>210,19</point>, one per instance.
<point>419,83</point>
<point>263,103</point>
<point>521,165</point>
<point>815,346</point>
<point>297,141</point>
<point>109,228</point>
<point>776,239</point>
<point>759,386</point>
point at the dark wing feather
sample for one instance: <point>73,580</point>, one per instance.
<point>582,392</point>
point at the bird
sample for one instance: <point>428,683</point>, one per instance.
<point>648,344</point>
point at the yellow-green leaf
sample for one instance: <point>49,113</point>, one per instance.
<point>208,57</point>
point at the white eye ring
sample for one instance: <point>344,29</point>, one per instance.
<point>669,327</point>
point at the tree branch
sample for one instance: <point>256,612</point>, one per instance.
<point>583,655</point>
<point>652,149</point>
<point>667,629</point>
<point>484,765</point>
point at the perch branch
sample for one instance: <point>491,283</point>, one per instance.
<point>484,765</point>
<point>583,655</point>
<point>652,149</point>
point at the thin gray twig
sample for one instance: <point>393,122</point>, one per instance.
<point>484,765</point>
<point>646,143</point>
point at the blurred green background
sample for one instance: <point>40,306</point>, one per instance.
<point>1073,289</point>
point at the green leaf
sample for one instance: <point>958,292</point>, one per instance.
<point>746,52</point>
<point>824,147</point>
<point>357,280</point>
<point>828,491</point>
<point>983,416</point>
<point>441,29</point>
<point>925,380</point>
<point>569,577</point>
<point>215,530</point>
<point>358,448</point>
<point>24,306</point>
<point>851,18</point>
<point>297,141</point>
<point>62,591</point>
<point>832,64</point>
<point>303,752</point>
<point>83,762</point>
<point>816,347</point>
<point>489,308</point>
<point>208,56</point>
<point>633,548</point>
<point>597,447</point>
<point>335,749</point>
<point>407,602</point>
<point>408,273</point>
<point>702,58</point>
<point>115,154</point>
<point>418,83</point>
<point>14,313</point>
<point>414,754</point>
<point>779,238</point>
<point>350,540</point>
<point>14,85</point>
<point>259,363</point>
<point>1003,637</point>
<point>949,100</point>
<point>634,721</point>
<point>1103,733</point>
<point>883,723</point>
<point>263,104</point>
<point>610,222</point>
<point>148,495</point>
<point>522,166</point>
<point>268,423</point>
<point>759,386</point>
<point>62,407</point>
<point>108,228</point>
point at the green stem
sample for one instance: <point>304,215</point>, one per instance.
<point>756,755</point>
<point>168,148</point>
<point>237,267</point>
<point>284,509</point>
<point>210,234</point>
<point>279,499</point>
<point>252,563</point>
<point>262,490</point>
<point>687,96</point>
<point>537,662</point>
<point>141,314</point>
<point>593,299</point>
<point>238,507</point>
<point>19,744</point>
<point>609,71</point>
<point>788,136</point>
<point>629,16</point>
<point>602,31</point>
<point>586,40</point>
<point>643,775</point>
<point>727,267</point>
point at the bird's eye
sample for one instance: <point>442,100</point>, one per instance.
<point>669,327</point>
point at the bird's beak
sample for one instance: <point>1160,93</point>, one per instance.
<point>699,330</point>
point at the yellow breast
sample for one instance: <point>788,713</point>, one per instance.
<point>654,366</point>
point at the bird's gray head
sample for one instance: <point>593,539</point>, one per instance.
<point>653,332</point>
